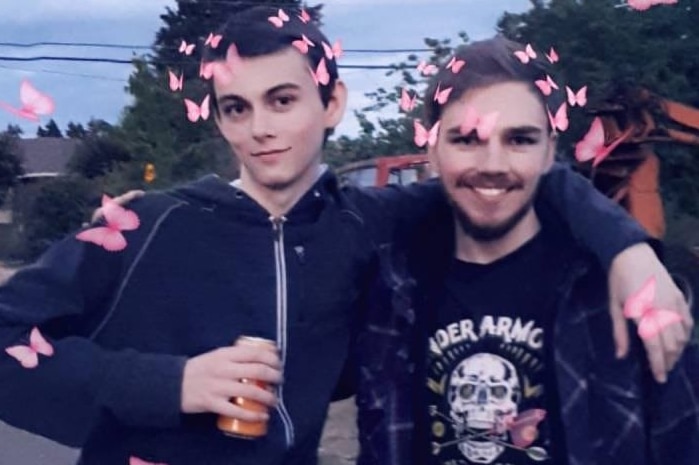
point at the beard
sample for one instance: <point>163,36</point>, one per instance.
<point>492,232</point>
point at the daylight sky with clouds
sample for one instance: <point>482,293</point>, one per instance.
<point>96,90</point>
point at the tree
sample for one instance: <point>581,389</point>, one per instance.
<point>51,130</point>
<point>10,163</point>
<point>612,49</point>
<point>76,131</point>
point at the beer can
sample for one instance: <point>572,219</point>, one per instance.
<point>248,429</point>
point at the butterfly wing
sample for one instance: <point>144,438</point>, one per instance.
<point>301,46</point>
<point>421,134</point>
<point>205,108</point>
<point>118,217</point>
<point>94,235</point>
<point>604,152</point>
<point>581,96</point>
<point>588,148</point>
<point>640,301</point>
<point>522,56</point>
<point>486,125</point>
<point>39,344</point>
<point>524,429</point>
<point>655,320</point>
<point>433,134</point>
<point>469,121</point>
<point>551,82</point>
<point>321,74</point>
<point>442,96</point>
<point>35,101</point>
<point>137,461</point>
<point>283,16</point>
<point>193,111</point>
<point>406,102</point>
<point>216,40</point>
<point>174,81</point>
<point>561,118</point>
<point>543,86</point>
<point>277,22</point>
<point>552,56</point>
<point>337,49</point>
<point>304,16</point>
<point>529,50</point>
<point>24,355</point>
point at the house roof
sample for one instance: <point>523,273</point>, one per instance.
<point>46,156</point>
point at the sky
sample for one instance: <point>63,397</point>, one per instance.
<point>96,90</point>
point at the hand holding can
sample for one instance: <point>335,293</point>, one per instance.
<point>213,381</point>
<point>249,429</point>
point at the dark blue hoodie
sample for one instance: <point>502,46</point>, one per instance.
<point>207,265</point>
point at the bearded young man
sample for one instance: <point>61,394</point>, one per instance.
<point>141,338</point>
<point>501,349</point>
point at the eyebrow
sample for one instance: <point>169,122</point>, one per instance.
<point>272,91</point>
<point>517,130</point>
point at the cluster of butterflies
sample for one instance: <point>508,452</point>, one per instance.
<point>332,52</point>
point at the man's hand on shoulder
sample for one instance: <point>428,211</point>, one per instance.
<point>629,271</point>
<point>121,200</point>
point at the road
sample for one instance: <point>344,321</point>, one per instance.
<point>339,445</point>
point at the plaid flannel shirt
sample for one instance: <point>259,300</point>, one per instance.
<point>612,411</point>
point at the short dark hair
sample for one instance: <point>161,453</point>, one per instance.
<point>489,62</point>
<point>254,35</point>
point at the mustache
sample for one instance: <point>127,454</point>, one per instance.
<point>474,179</point>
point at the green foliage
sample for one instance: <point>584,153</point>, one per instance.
<point>51,210</point>
<point>100,152</point>
<point>51,130</point>
<point>10,163</point>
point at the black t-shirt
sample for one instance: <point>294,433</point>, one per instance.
<point>490,377</point>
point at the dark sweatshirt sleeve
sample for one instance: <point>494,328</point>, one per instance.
<point>66,294</point>
<point>597,223</point>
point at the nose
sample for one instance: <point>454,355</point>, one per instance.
<point>261,125</point>
<point>482,395</point>
<point>493,157</point>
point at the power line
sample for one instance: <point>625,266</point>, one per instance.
<point>123,62</point>
<point>146,47</point>
<point>64,73</point>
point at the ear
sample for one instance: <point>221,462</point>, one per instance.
<point>336,105</point>
<point>551,152</point>
<point>433,159</point>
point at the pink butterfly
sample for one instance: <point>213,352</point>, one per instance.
<point>206,70</point>
<point>526,55</point>
<point>484,125</point>
<point>423,136</point>
<point>455,65</point>
<point>559,122</point>
<point>34,103</point>
<point>547,86</point>
<point>652,320</point>
<point>441,96</point>
<point>407,103</point>
<point>552,56</point>
<point>592,147</point>
<point>175,82</point>
<point>333,52</point>
<point>136,461</point>
<point>303,44</point>
<point>280,19</point>
<point>643,5</point>
<point>427,69</point>
<point>524,428</point>
<point>187,49</point>
<point>213,40</point>
<point>304,16</point>
<point>118,219</point>
<point>320,75</point>
<point>194,111</point>
<point>579,98</point>
<point>28,356</point>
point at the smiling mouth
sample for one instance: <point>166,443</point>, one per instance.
<point>270,152</point>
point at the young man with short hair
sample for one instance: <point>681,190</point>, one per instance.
<point>501,352</point>
<point>141,338</point>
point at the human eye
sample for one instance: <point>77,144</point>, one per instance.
<point>466,141</point>
<point>522,140</point>
<point>234,109</point>
<point>283,101</point>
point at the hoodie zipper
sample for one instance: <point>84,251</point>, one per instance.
<point>280,266</point>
